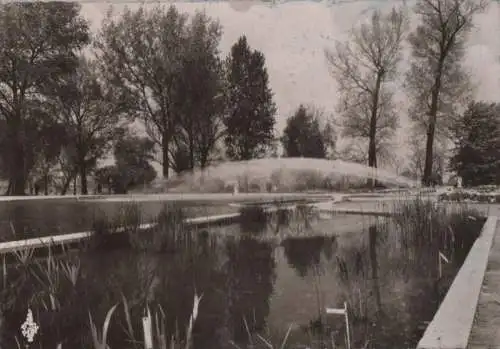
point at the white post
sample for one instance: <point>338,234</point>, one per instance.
<point>147,329</point>
<point>348,332</point>
<point>440,268</point>
<point>441,257</point>
<point>337,311</point>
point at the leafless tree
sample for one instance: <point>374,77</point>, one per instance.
<point>364,66</point>
<point>436,82</point>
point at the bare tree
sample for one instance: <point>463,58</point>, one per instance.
<point>355,152</point>
<point>363,67</point>
<point>436,81</point>
<point>141,55</point>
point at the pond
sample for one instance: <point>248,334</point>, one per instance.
<point>256,284</point>
<point>27,219</point>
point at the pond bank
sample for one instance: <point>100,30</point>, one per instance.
<point>451,325</point>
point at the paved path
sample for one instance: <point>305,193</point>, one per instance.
<point>485,333</point>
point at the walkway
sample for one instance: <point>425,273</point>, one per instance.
<point>485,332</point>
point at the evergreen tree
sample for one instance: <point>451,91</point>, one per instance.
<point>477,145</point>
<point>303,136</point>
<point>251,110</point>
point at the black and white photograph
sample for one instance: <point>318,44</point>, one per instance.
<point>250,174</point>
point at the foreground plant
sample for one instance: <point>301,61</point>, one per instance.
<point>154,327</point>
<point>99,339</point>
<point>264,342</point>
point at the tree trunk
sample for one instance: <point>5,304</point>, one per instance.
<point>203,158</point>
<point>46,184</point>
<point>7,192</point>
<point>83,178</point>
<point>18,172</point>
<point>74,185</point>
<point>191,154</point>
<point>164,148</point>
<point>372,147</point>
<point>429,152</point>
<point>66,184</point>
<point>431,130</point>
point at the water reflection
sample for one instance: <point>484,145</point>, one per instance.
<point>66,215</point>
<point>372,236</point>
<point>249,284</point>
<point>304,254</point>
<point>250,274</point>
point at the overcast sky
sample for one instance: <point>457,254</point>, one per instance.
<point>294,35</point>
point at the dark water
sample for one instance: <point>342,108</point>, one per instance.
<point>251,284</point>
<point>26,219</point>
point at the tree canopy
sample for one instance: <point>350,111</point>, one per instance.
<point>305,136</point>
<point>477,144</point>
<point>38,42</point>
<point>250,115</point>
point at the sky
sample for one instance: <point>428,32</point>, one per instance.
<point>294,35</point>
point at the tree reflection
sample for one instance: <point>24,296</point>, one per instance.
<point>373,234</point>
<point>250,271</point>
<point>305,253</point>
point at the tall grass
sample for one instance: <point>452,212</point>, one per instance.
<point>408,243</point>
<point>421,222</point>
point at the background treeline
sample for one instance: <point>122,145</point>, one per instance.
<point>70,99</point>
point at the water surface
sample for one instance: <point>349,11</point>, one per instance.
<point>252,282</point>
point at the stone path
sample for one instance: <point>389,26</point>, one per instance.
<point>485,333</point>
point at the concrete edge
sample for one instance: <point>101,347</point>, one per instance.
<point>159,196</point>
<point>451,326</point>
<point>46,241</point>
<point>354,211</point>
